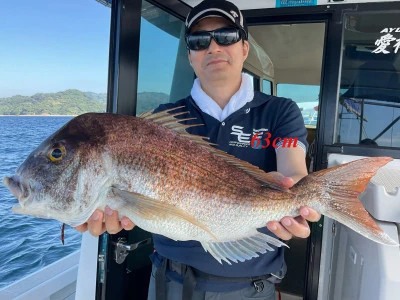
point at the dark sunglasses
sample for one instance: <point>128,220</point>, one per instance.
<point>200,40</point>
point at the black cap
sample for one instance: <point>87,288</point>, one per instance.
<point>218,8</point>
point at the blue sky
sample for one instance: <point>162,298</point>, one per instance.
<point>54,45</point>
<point>301,93</point>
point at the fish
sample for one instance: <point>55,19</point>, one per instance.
<point>179,185</point>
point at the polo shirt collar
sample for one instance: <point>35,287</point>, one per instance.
<point>207,105</point>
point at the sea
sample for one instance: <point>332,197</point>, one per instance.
<point>27,244</point>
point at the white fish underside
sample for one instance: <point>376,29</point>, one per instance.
<point>240,245</point>
<point>233,238</point>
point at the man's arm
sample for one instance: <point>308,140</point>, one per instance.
<point>291,163</point>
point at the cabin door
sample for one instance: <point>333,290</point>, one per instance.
<point>367,124</point>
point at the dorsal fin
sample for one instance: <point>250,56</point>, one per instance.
<point>169,120</point>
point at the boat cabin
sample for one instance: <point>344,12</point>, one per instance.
<point>339,60</point>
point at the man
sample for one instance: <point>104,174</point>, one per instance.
<point>222,98</point>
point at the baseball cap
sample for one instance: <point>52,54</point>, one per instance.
<point>216,8</point>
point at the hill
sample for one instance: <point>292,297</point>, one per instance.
<point>70,102</point>
<point>150,100</point>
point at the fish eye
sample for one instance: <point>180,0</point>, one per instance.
<point>57,153</point>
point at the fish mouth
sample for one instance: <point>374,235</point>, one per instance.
<point>19,190</point>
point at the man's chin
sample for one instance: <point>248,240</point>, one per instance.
<point>218,73</point>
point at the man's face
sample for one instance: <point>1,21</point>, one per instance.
<point>217,62</point>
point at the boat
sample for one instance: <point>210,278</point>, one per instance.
<point>340,49</point>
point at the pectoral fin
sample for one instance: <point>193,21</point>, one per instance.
<point>244,249</point>
<point>152,209</point>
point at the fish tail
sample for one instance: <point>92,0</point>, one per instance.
<point>343,184</point>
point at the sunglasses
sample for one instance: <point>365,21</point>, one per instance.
<point>200,40</point>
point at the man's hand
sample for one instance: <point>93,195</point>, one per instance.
<point>100,221</point>
<point>290,227</point>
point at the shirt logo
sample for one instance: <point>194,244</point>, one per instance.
<point>241,136</point>
<point>259,139</point>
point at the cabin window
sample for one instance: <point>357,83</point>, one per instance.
<point>267,87</point>
<point>164,71</point>
<point>306,97</point>
<point>369,95</point>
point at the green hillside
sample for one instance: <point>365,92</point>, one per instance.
<point>150,100</point>
<point>70,102</point>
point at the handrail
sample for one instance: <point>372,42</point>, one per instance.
<point>58,278</point>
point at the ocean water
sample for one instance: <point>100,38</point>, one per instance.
<point>27,244</point>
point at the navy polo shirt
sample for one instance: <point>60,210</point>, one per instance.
<point>250,134</point>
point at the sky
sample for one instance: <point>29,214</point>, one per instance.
<point>299,93</point>
<point>54,45</point>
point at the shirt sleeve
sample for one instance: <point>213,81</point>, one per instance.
<point>289,129</point>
